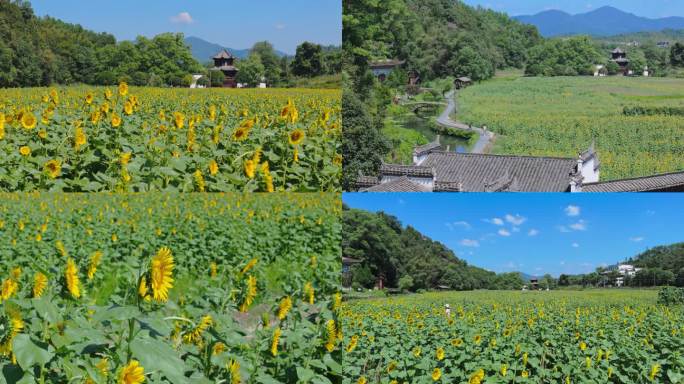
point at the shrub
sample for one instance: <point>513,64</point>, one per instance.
<point>671,296</point>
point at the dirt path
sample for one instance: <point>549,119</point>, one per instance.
<point>444,119</point>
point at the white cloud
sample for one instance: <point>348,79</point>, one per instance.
<point>563,229</point>
<point>579,226</point>
<point>470,243</point>
<point>572,210</point>
<point>280,27</point>
<point>515,220</point>
<point>562,262</point>
<point>575,245</point>
<point>504,232</point>
<point>182,18</point>
<point>533,232</point>
<point>495,221</point>
<point>636,239</point>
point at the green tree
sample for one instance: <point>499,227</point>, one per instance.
<point>216,78</point>
<point>677,54</point>
<point>270,61</point>
<point>308,61</point>
<point>613,68</point>
<point>406,283</point>
<point>251,70</point>
<point>363,146</point>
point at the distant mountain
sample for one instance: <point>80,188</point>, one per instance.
<point>526,278</point>
<point>604,21</point>
<point>203,50</point>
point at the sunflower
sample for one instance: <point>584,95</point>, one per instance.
<point>362,380</point>
<point>2,125</point>
<point>583,346</point>
<point>199,180</point>
<point>132,373</point>
<point>234,369</point>
<point>240,134</point>
<point>477,377</point>
<point>250,168</point>
<point>178,120</point>
<point>25,150</point>
<point>213,268</point>
<point>10,325</point>
<point>331,331</point>
<point>296,155</point>
<point>143,289</point>
<point>352,343</point>
<point>213,167</point>
<point>524,373</point>
<point>108,94</point>
<point>456,342</point>
<point>290,112</point>
<point>161,274</point>
<point>274,341</point>
<point>79,138</point>
<point>436,374</point>
<point>250,294</point>
<point>123,88</point>
<point>128,108</point>
<point>71,277</point>
<point>53,168</point>
<point>8,289</point>
<point>284,307</point>
<point>391,366</point>
<point>94,261</point>
<point>250,264</point>
<point>116,120</point>
<point>218,348</point>
<point>95,117</point>
<point>124,158</point>
<point>195,334</point>
<point>309,292</point>
<point>504,369</point>
<point>337,160</point>
<point>39,284</point>
<point>89,98</point>
<point>439,354</point>
<point>28,120</point>
<point>296,137</point>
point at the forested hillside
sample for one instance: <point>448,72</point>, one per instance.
<point>408,259</point>
<point>667,258</point>
<point>436,37</point>
<point>41,51</point>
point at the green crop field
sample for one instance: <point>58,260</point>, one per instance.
<point>172,288</point>
<point>597,336</point>
<point>561,116</point>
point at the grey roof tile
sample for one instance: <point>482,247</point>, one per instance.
<point>402,184</point>
<point>663,182</point>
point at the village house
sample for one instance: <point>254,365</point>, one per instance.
<point>462,82</point>
<point>620,58</point>
<point>623,271</point>
<point>437,170</point>
<point>381,70</point>
<point>224,61</point>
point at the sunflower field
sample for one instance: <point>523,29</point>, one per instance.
<point>561,116</point>
<point>601,336</point>
<point>87,139</point>
<point>170,288</point>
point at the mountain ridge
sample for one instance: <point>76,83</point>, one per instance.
<point>604,21</point>
<point>203,50</point>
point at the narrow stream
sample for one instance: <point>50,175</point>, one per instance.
<point>422,125</point>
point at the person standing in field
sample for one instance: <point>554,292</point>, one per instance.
<point>447,310</point>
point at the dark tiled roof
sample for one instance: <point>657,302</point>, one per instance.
<point>447,187</point>
<point>366,181</point>
<point>639,184</point>
<point>475,171</point>
<point>426,148</point>
<point>618,50</point>
<point>223,55</point>
<point>349,260</point>
<point>621,60</point>
<point>406,170</point>
<point>402,184</point>
<point>464,79</point>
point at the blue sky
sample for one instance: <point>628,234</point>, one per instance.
<point>650,8</point>
<point>233,23</point>
<point>537,233</point>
